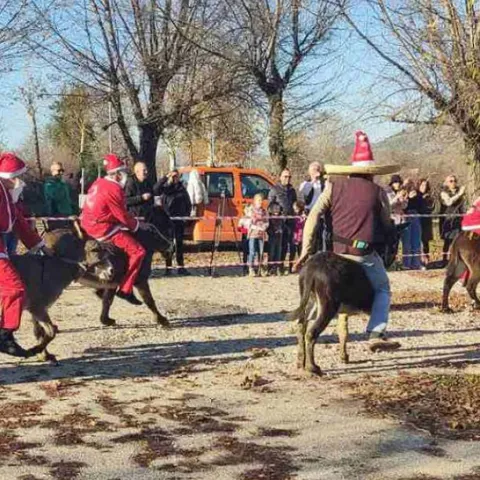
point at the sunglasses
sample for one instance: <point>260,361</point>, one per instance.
<point>59,171</point>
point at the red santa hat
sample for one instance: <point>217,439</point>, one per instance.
<point>113,164</point>
<point>362,161</point>
<point>11,166</point>
<point>362,155</point>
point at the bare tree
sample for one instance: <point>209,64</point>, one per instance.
<point>280,44</point>
<point>29,95</point>
<point>131,51</point>
<point>432,49</point>
<point>15,24</point>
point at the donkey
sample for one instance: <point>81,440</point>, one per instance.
<point>45,279</point>
<point>464,264</point>
<point>329,285</point>
<point>156,235</point>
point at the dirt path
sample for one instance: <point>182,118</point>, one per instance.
<point>218,396</point>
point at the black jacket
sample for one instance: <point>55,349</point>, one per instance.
<point>175,198</point>
<point>286,196</point>
<point>133,193</point>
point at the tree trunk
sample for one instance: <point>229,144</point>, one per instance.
<point>149,138</point>
<point>473,183</point>
<point>276,135</point>
<point>38,161</point>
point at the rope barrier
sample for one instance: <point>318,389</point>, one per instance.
<point>73,218</point>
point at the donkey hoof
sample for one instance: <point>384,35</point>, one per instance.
<point>345,358</point>
<point>446,310</point>
<point>163,321</point>
<point>314,370</point>
<point>108,322</point>
<point>47,357</point>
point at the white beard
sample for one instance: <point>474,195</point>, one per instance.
<point>16,191</point>
<point>123,179</point>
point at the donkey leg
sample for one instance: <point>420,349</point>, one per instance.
<point>146,294</point>
<point>302,330</point>
<point>448,283</point>
<point>107,300</point>
<point>325,313</point>
<point>472,291</point>
<point>45,332</point>
<point>342,330</point>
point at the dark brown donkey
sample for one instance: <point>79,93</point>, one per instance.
<point>464,264</point>
<point>332,285</point>
<point>155,236</point>
<point>45,279</point>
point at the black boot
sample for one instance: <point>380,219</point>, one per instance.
<point>129,297</point>
<point>9,346</point>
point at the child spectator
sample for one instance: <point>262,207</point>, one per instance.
<point>299,210</point>
<point>257,234</point>
<point>243,227</point>
<point>275,233</point>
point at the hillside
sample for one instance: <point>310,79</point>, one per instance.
<point>425,151</point>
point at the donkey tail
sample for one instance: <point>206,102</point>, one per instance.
<point>300,313</point>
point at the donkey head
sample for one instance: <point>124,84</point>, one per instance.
<point>98,260</point>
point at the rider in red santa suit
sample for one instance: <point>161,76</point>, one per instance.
<point>12,291</point>
<point>105,218</point>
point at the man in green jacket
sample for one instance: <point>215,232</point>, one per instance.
<point>58,197</point>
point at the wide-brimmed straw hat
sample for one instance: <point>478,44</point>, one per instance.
<point>362,162</point>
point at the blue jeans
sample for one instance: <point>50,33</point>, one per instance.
<point>11,242</point>
<point>255,248</point>
<point>376,273</point>
<point>412,244</point>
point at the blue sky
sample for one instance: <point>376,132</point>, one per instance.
<point>358,91</point>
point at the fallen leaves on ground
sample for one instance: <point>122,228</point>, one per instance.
<point>444,405</point>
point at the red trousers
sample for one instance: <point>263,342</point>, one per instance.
<point>12,296</point>
<point>135,253</point>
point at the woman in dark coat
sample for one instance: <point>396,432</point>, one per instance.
<point>452,199</point>
<point>428,206</point>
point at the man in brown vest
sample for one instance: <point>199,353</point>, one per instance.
<point>359,209</point>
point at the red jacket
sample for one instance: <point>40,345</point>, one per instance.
<point>105,210</point>
<point>471,221</point>
<point>12,220</point>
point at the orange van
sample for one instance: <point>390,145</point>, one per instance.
<point>229,189</point>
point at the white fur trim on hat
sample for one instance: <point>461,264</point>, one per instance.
<point>10,175</point>
<point>364,163</point>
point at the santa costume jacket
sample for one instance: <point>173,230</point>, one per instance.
<point>105,212</point>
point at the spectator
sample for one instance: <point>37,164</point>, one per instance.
<point>300,217</point>
<point>58,198</point>
<point>139,191</point>
<point>397,196</point>
<point>285,195</point>
<point>243,227</point>
<point>412,235</point>
<point>73,181</point>
<point>310,190</point>
<point>176,202</point>
<point>452,202</point>
<point>275,232</point>
<point>257,234</point>
<point>428,206</point>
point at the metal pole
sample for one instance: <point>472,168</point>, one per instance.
<point>110,142</point>
<point>211,162</point>
<point>83,181</point>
